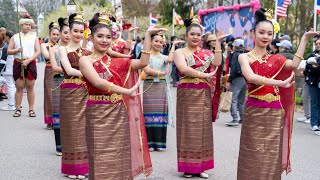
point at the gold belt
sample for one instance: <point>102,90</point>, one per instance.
<point>151,77</point>
<point>268,97</point>
<point>73,80</point>
<point>193,80</point>
<point>114,98</point>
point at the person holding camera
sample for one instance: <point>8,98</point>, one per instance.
<point>312,74</point>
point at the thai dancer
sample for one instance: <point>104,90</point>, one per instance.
<point>267,126</point>
<point>116,138</point>
<point>58,79</point>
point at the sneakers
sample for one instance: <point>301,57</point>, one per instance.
<point>307,121</point>
<point>240,121</point>
<point>187,175</point>
<point>304,120</point>
<point>315,128</point>
<point>233,123</point>
<point>8,108</point>
<point>204,175</point>
<point>59,153</point>
<point>49,127</point>
<point>151,149</point>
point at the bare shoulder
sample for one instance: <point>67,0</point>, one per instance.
<point>43,45</point>
<point>244,56</point>
<point>179,50</point>
<point>62,49</point>
<point>85,58</point>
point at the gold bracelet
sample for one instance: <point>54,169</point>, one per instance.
<point>145,52</point>
<point>110,87</point>
<point>158,73</point>
<point>218,51</point>
<point>298,56</point>
<point>198,73</point>
<point>263,81</point>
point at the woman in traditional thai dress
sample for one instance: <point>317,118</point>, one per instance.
<point>26,48</point>
<point>48,73</point>
<point>267,126</point>
<point>157,98</point>
<point>118,44</point>
<point>113,113</point>
<point>73,96</point>
<point>58,79</point>
<point>194,102</point>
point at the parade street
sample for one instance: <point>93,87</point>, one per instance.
<point>27,149</point>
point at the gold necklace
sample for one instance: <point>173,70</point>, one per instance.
<point>95,56</point>
<point>260,59</point>
<point>78,53</point>
<point>155,53</point>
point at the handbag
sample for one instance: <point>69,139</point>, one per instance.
<point>225,101</point>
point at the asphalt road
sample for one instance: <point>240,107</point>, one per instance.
<point>27,149</point>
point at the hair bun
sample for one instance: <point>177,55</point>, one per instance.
<point>94,21</point>
<point>187,22</point>
<point>260,15</point>
<point>51,25</point>
<point>71,17</point>
<point>61,22</point>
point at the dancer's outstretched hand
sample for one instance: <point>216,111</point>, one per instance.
<point>311,33</point>
<point>221,36</point>
<point>155,29</point>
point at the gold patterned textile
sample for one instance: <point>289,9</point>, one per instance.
<point>72,129</point>
<point>260,155</point>
<point>48,81</point>
<point>194,130</point>
<point>108,140</point>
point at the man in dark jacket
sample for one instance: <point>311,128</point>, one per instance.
<point>237,85</point>
<point>312,74</point>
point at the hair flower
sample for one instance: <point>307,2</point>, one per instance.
<point>276,26</point>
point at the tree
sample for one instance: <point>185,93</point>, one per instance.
<point>8,15</point>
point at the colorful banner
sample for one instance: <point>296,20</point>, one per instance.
<point>237,20</point>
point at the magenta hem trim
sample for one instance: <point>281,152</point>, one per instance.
<point>193,86</point>
<point>75,169</point>
<point>92,102</point>
<point>48,120</point>
<point>71,85</point>
<point>195,168</point>
<point>252,102</point>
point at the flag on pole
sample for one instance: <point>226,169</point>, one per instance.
<point>22,10</point>
<point>282,7</point>
<point>191,12</point>
<point>153,20</point>
<point>317,6</point>
<point>178,20</point>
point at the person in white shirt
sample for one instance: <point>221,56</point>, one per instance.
<point>26,49</point>
<point>7,77</point>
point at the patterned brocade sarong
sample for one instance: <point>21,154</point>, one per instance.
<point>57,80</point>
<point>261,144</point>
<point>194,128</point>
<point>48,78</point>
<point>155,111</point>
<point>73,99</point>
<point>108,141</point>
